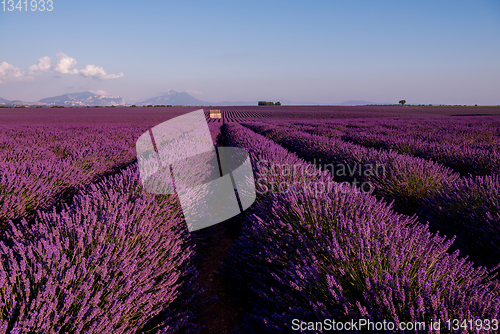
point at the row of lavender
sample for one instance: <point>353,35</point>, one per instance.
<point>395,176</point>
<point>39,163</point>
<point>467,145</point>
<point>114,260</point>
<point>468,208</point>
<point>461,158</point>
<point>476,132</point>
<point>314,256</point>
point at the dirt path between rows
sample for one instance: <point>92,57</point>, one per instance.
<point>222,315</point>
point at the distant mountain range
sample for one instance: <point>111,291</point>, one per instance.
<point>171,97</point>
<point>82,100</point>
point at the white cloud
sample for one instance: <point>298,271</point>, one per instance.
<point>65,64</point>
<point>43,65</point>
<point>9,72</point>
<point>98,73</point>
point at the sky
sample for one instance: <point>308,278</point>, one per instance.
<point>445,51</point>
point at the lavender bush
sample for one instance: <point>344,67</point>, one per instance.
<point>473,132</point>
<point>110,262</point>
<point>215,131</point>
<point>405,179</point>
<point>39,164</point>
<point>467,208</point>
<point>343,256</point>
<point>315,258</point>
<point>461,158</point>
<point>469,145</point>
<point>265,155</point>
<point>470,209</point>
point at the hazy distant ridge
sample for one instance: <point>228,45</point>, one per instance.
<point>4,101</point>
<point>174,98</point>
<point>83,99</point>
<point>171,97</point>
<point>355,103</point>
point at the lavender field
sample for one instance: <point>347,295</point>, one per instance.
<point>385,213</point>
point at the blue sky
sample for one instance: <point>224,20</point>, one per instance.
<point>316,51</point>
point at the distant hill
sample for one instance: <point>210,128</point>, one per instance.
<point>5,102</point>
<point>355,103</point>
<point>176,99</point>
<point>83,99</point>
